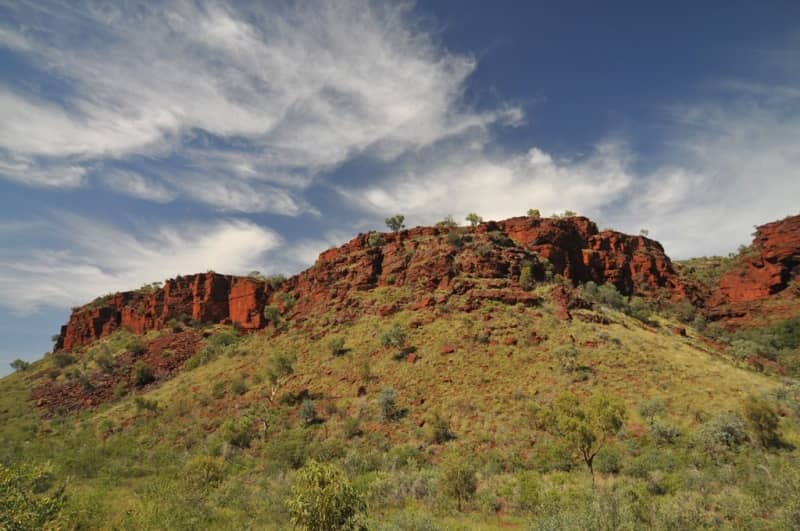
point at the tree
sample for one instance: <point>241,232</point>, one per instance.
<point>26,499</point>
<point>447,223</point>
<point>395,223</point>
<point>458,480</point>
<point>526,275</point>
<point>474,219</point>
<point>308,412</point>
<point>585,428</point>
<point>762,420</point>
<point>19,365</point>
<point>323,499</point>
<point>644,232</point>
<point>534,213</point>
<point>142,374</point>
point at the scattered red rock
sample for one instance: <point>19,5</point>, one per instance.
<point>447,349</point>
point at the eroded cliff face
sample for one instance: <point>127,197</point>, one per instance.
<point>769,273</point>
<point>207,297</point>
<point>433,263</point>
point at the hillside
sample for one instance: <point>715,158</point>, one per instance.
<point>415,359</point>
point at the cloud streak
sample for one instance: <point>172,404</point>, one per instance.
<point>276,94</point>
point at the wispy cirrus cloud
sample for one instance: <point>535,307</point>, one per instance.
<point>93,258</point>
<point>279,93</point>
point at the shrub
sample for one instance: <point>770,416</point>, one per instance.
<point>454,239</point>
<point>394,337</point>
<point>567,356</point>
<point>365,370</point>
<point>62,359</point>
<point>120,390</point>
<point>272,314</point>
<point>322,499</point>
<point>664,433</point>
<point>288,448</point>
<point>336,346</point>
<point>238,387</point>
<point>203,473</point>
<point>238,432</point>
<point>534,213</point>
<point>287,300</point>
<point>136,347</point>
<point>387,405</point>
<point>24,498</point>
<point>457,478</point>
<point>143,404</point>
<point>447,223</point>
<point>20,365</point>
<point>142,374</point>
<point>395,223</point>
<point>374,239</point>
<point>439,431</point>
<point>280,366</point>
<point>763,421</point>
<point>351,427</point>
<point>218,391</point>
<point>650,409</point>
<point>526,275</point>
<point>308,411</point>
<point>723,432</point>
<point>608,460</point>
<point>275,281</point>
<point>105,361</point>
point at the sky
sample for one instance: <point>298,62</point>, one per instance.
<point>142,140</point>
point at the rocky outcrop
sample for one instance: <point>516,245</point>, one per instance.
<point>773,263</point>
<point>207,297</point>
<point>431,263</point>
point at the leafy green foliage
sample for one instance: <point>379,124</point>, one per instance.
<point>763,420</point>
<point>374,239</point>
<point>395,223</point>
<point>62,359</point>
<point>280,366</point>
<point>567,356</point>
<point>534,213</point>
<point>387,405</point>
<point>204,473</point>
<point>438,429</point>
<point>144,404</point>
<point>586,428</point>
<point>458,479</point>
<point>336,346</point>
<point>272,314</point>
<point>474,219</point>
<point>308,411</point>
<point>25,502</point>
<point>526,275</point>
<point>395,336</point>
<point>142,374</point>
<point>20,365</point>
<point>447,223</point>
<point>323,500</point>
<point>275,281</point>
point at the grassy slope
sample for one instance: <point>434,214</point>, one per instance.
<point>126,467</point>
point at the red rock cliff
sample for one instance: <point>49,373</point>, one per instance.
<point>773,263</point>
<point>482,261</point>
<point>207,297</point>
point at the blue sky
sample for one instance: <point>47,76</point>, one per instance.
<point>161,138</point>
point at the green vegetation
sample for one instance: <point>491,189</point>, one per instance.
<point>534,213</point>
<point>498,430</point>
<point>375,239</point>
<point>474,219</point>
<point>19,365</point>
<point>395,223</point>
<point>27,500</point>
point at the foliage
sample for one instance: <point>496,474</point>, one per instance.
<point>652,408</point>
<point>142,374</point>
<point>438,429</point>
<point>238,431</point>
<point>395,336</point>
<point>567,356</point>
<point>25,502</point>
<point>387,405</point>
<point>474,219</point>
<point>238,387</point>
<point>203,473</point>
<point>526,275</point>
<point>763,420</point>
<point>62,359</point>
<point>374,239</point>
<point>725,432</point>
<point>457,479</point>
<point>280,366</point>
<point>395,223</point>
<point>534,213</point>
<point>323,500</point>
<point>143,404</point>
<point>275,281</point>
<point>586,428</point>
<point>336,346</point>
<point>447,223</point>
<point>272,314</point>
<point>308,411</point>
<point>19,365</point>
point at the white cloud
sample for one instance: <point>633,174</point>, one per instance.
<point>93,258</point>
<point>137,185</point>
<point>287,91</point>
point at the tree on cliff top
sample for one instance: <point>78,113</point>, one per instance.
<point>395,223</point>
